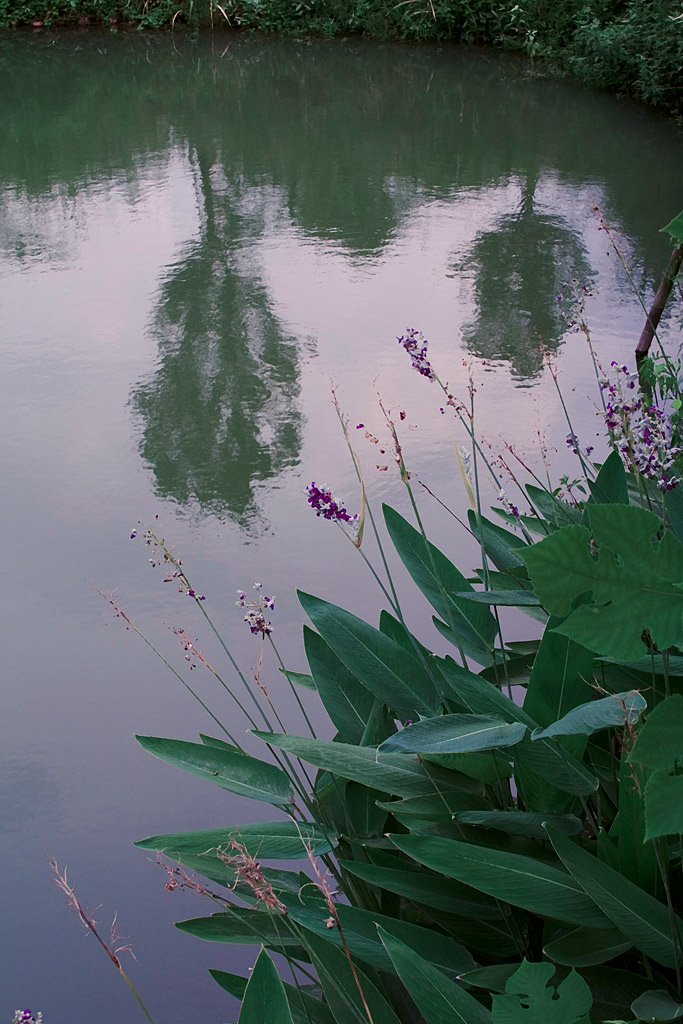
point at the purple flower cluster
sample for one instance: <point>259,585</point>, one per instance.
<point>643,435</point>
<point>323,502</point>
<point>26,1017</point>
<point>509,507</point>
<point>572,442</point>
<point>415,345</point>
<point>255,617</point>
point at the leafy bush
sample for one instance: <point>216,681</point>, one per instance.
<point>494,834</point>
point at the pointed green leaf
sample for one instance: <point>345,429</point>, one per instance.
<point>503,547</point>
<point>455,734</point>
<point>303,679</point>
<point>657,1004</point>
<point>270,840</point>
<point>347,702</point>
<point>523,823</point>
<point>640,918</point>
<point>521,881</point>
<point>584,947</point>
<point>439,1000</point>
<point>617,709</point>
<point>610,486</point>
<point>503,598</point>
<point>398,774</point>
<point>675,228</point>
<point>238,773</point>
<point>440,582</point>
<point>637,859</point>
<point>264,1000</point>
<point>341,984</point>
<point>378,662</point>
<point>304,1008</point>
<point>246,927</point>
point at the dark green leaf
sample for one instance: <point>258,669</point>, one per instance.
<point>304,1008</point>
<point>675,228</point>
<point>585,947</point>
<point>300,678</point>
<point>617,709</point>
<point>238,773</point>
<point>527,1000</point>
<point>518,880</point>
<point>503,547</point>
<point>660,741</point>
<point>244,926</point>
<point>657,1005</point>
<point>609,486</point>
<point>640,918</point>
<point>347,702</point>
<point>439,1000</point>
<point>663,805</point>
<point>455,734</point>
<point>523,823</point>
<point>341,986</point>
<point>264,1000</point>
<point>270,840</point>
<point>378,662</point>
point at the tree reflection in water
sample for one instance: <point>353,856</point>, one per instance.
<point>220,412</point>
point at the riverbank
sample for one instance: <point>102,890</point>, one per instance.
<point>633,47</point>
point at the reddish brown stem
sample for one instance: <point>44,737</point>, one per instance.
<point>657,308</point>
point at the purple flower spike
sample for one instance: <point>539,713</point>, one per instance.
<point>323,502</point>
<point>415,344</point>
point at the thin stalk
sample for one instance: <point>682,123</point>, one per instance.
<point>291,686</point>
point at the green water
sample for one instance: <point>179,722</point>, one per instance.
<point>195,237</point>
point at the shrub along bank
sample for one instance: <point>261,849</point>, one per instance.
<point>631,46</point>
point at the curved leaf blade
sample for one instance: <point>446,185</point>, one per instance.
<point>264,1000</point>
<point>455,734</point>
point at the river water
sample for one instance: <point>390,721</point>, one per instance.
<point>196,237</point>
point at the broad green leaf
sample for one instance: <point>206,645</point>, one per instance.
<point>440,582</point>
<point>493,978</point>
<point>640,918</point>
<point>264,1000</point>
<point>360,933</point>
<point>585,947</point>
<point>673,506</point>
<point>366,817</point>
<point>502,598</point>
<point>663,805</point>
<point>521,881</point>
<point>675,228</point>
<point>660,740</point>
<point>427,888</point>
<point>657,1005</point>
<point>270,840</point>
<point>637,859</point>
<point>398,774</point>
<point>213,741</point>
<point>304,1008</point>
<point>555,512</point>
<point>528,1000</point>
<point>341,985</point>
<point>617,709</point>
<point>558,766</point>
<point>488,768</point>
<point>441,808</point>
<point>503,547</point>
<point>439,1000</point>
<point>633,580</point>
<point>455,734</point>
<point>347,702</point>
<point>610,486</point>
<point>247,927</point>
<point>300,678</point>
<point>238,773</point>
<point>378,662</point>
<point>523,823</point>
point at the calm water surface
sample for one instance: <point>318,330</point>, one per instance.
<point>195,237</point>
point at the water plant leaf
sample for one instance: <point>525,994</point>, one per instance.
<point>519,880</point>
<point>303,679</point>
<point>659,742</point>
<point>617,709</point>
<point>610,486</point>
<point>663,805</point>
<point>264,1000</point>
<point>585,947</point>
<point>637,859</point>
<point>514,598</point>
<point>346,700</point>
<point>360,933</point>
<point>640,918</point>
<point>504,548</point>
<point>455,734</point>
<point>675,228</point>
<point>558,766</point>
<point>398,774</point>
<point>439,1000</point>
<point>426,888</point>
<point>304,1008</point>
<point>523,823</point>
<point>341,983</point>
<point>555,511</point>
<point>440,582</point>
<point>529,1000</point>
<point>657,1005</point>
<point>633,581</point>
<point>488,768</point>
<point>377,661</point>
<point>247,927</point>
<point>238,773</point>
<point>270,840</point>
